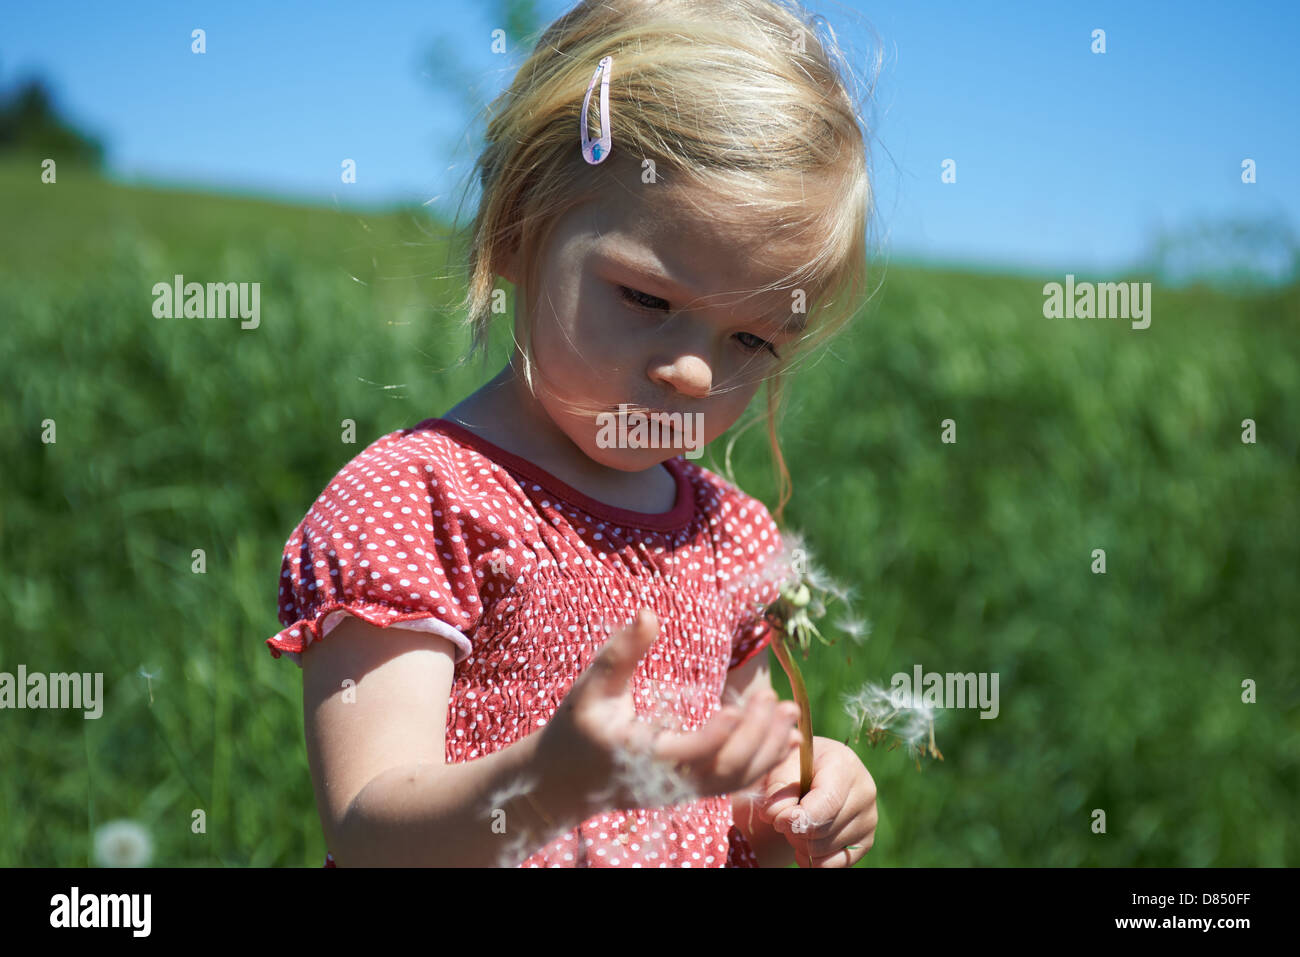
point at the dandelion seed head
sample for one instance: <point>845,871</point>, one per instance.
<point>123,843</point>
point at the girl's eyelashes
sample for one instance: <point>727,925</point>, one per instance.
<point>639,298</point>
<point>646,301</point>
<point>759,343</point>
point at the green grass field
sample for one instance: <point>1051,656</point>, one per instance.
<point>1120,691</point>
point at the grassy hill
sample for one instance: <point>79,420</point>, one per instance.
<point>1120,691</point>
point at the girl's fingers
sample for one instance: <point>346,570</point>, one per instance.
<point>848,829</point>
<point>782,740</point>
<point>699,745</point>
<point>738,754</point>
<point>735,748</point>
<point>779,737</point>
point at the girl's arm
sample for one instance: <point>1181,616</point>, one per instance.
<point>376,751</point>
<point>386,796</point>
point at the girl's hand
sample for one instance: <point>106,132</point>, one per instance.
<point>835,823</point>
<point>596,741</point>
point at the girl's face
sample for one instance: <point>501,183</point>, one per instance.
<point>643,299</point>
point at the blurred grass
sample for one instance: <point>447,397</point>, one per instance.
<point>1118,691</point>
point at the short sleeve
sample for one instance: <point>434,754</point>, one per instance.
<point>382,543</point>
<point>758,549</point>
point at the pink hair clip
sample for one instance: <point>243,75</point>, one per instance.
<point>595,151</point>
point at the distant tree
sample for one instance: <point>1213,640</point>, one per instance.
<point>29,124</point>
<point>1236,252</point>
<point>456,61</point>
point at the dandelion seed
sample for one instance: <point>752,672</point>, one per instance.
<point>123,843</point>
<point>779,568</point>
<point>518,848</point>
<point>652,783</point>
<point>516,851</point>
<point>858,629</point>
<point>871,708</point>
<point>819,579</point>
<point>754,797</point>
<point>802,823</point>
<point>521,787</point>
<point>148,676</point>
<point>880,714</point>
<point>842,593</point>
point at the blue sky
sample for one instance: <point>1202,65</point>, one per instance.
<point>1066,159</point>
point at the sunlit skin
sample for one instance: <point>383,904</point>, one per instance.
<point>641,300</point>
<point>643,297</point>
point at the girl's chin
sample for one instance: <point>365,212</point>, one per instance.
<point>630,459</point>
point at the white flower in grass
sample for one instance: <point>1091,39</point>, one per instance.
<point>123,843</point>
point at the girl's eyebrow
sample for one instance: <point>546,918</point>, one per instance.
<point>652,272</point>
<point>792,324</point>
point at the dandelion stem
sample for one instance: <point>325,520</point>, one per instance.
<point>779,639</point>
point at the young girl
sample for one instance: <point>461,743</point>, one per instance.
<point>677,190</point>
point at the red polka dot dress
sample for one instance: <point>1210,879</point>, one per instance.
<point>435,529</point>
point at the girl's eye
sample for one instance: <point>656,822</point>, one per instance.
<point>758,343</point>
<point>642,299</point>
<point>749,342</point>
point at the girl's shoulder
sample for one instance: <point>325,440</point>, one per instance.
<point>395,538</point>
<point>736,519</point>
<point>425,454</point>
<point>731,506</point>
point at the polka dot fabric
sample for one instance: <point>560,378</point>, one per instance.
<point>435,529</point>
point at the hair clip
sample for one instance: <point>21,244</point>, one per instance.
<point>595,151</point>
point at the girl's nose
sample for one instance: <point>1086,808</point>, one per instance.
<point>688,374</point>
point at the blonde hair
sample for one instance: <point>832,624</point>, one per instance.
<point>740,97</point>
